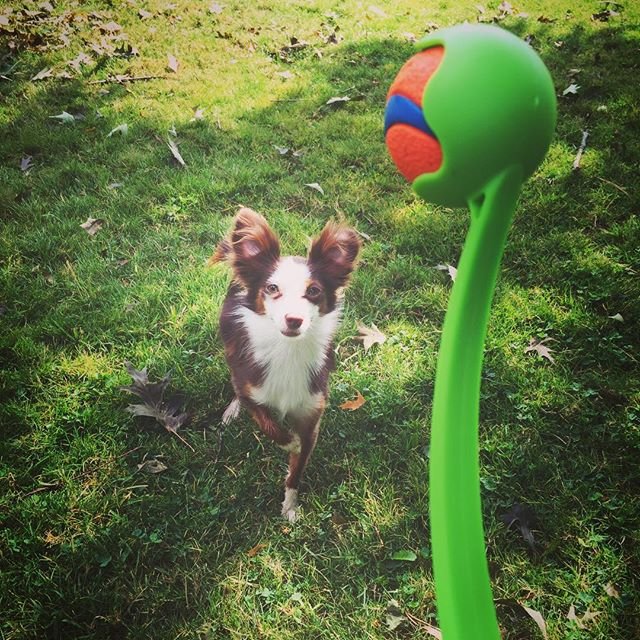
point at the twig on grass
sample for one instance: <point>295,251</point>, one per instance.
<point>123,79</point>
<point>46,486</point>
<point>424,625</point>
<point>613,184</point>
<point>583,146</point>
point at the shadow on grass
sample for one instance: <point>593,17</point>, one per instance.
<point>153,558</point>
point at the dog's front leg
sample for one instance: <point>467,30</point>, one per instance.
<point>288,441</point>
<point>308,436</point>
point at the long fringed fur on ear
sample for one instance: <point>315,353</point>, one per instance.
<point>333,254</point>
<point>252,248</point>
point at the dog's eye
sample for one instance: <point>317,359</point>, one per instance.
<point>272,289</point>
<point>313,291</point>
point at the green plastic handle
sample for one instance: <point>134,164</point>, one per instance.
<point>463,591</point>
<point>492,106</point>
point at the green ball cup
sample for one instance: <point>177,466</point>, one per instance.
<point>492,106</point>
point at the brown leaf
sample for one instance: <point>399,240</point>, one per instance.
<point>172,63</point>
<point>582,622</point>
<point>92,225</point>
<point>144,14</point>
<point>611,590</point>
<point>536,616</point>
<point>254,551</point>
<point>352,405</point>
<point>215,8</point>
<point>166,411</point>
<point>540,348</point>
<point>370,335</point>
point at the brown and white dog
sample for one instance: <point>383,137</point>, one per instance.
<point>277,324</point>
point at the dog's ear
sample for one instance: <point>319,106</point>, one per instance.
<point>252,248</point>
<point>333,254</point>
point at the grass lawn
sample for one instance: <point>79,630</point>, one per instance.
<point>94,545</point>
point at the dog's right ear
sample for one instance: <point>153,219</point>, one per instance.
<point>252,248</point>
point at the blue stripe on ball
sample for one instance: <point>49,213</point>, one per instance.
<point>402,110</point>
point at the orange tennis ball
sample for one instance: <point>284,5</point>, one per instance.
<point>412,144</point>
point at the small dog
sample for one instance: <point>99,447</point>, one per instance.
<point>277,324</point>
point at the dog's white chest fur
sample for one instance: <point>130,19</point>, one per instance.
<point>288,363</point>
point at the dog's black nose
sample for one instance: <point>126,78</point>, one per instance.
<point>293,323</point>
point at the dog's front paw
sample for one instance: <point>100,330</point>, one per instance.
<point>290,507</point>
<point>294,445</point>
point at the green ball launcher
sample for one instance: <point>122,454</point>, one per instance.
<point>491,105</point>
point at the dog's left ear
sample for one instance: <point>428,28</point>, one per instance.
<point>334,252</point>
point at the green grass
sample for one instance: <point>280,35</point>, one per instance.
<point>92,548</point>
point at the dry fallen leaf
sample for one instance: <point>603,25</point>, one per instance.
<point>25,164</point>
<point>198,114</point>
<point>540,348</point>
<point>451,270</point>
<point>111,27</point>
<point>166,411</point>
<point>611,590</point>
<point>617,317</point>
<point>524,518</point>
<point>173,147</point>
<point>79,60</point>
<point>64,117</point>
<point>538,619</point>
<point>582,622</point>
<point>172,63</point>
<point>215,8</point>
<point>352,405</point>
<point>42,74</point>
<point>152,466</point>
<point>370,335</point>
<point>92,225</point>
<point>572,89</point>
<point>505,7</point>
<point>394,616</point>
<point>122,129</point>
<point>338,99</point>
<point>254,551</point>
<point>607,13</point>
<point>316,186</point>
